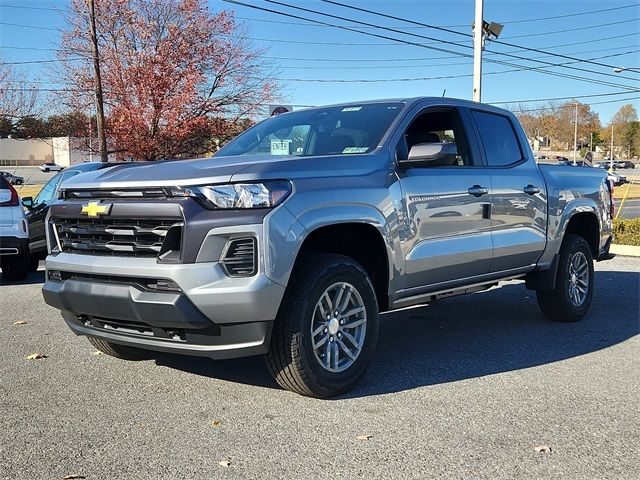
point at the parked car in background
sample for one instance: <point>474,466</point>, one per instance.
<point>12,179</point>
<point>14,234</point>
<point>625,164</point>
<point>603,165</point>
<point>38,207</point>
<point>616,178</point>
<point>50,167</point>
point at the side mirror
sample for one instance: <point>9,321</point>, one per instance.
<point>27,202</point>
<point>431,154</point>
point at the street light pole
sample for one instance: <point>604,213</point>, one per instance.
<point>477,52</point>
<point>611,156</point>
<point>575,136</point>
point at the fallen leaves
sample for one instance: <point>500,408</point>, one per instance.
<point>20,322</point>
<point>216,423</point>
<point>224,463</point>
<point>97,352</point>
<point>35,356</point>
<point>73,477</point>
<point>542,449</point>
<point>363,437</point>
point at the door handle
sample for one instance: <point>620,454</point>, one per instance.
<point>531,190</point>
<point>478,191</point>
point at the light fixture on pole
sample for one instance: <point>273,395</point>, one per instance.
<point>626,69</point>
<point>480,36</point>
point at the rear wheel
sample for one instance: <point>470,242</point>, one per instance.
<point>46,170</point>
<point>327,327</point>
<point>15,269</point>
<point>120,351</point>
<point>569,301</point>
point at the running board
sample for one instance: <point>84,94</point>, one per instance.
<point>425,298</point>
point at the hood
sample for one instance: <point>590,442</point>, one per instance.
<point>218,170</point>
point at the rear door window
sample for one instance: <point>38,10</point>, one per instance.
<point>499,139</point>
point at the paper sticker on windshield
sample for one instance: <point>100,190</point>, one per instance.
<point>280,147</point>
<point>351,109</point>
<point>355,150</point>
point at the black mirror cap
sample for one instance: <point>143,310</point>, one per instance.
<point>27,202</point>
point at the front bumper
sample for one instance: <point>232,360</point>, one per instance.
<point>183,308</point>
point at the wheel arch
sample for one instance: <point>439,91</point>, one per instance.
<point>361,241</point>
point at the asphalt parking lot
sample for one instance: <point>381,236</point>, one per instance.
<point>464,388</point>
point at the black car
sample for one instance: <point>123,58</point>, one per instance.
<point>39,206</point>
<point>12,179</point>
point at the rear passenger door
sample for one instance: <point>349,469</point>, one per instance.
<point>518,203</point>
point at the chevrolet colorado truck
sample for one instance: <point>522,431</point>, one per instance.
<point>293,238</point>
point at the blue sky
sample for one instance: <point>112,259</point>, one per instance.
<point>303,53</point>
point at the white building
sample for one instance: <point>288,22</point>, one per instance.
<point>64,151</point>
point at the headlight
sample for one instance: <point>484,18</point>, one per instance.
<point>265,194</point>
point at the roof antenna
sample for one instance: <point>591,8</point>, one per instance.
<point>444,91</point>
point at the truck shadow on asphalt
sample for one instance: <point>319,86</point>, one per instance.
<point>466,337</point>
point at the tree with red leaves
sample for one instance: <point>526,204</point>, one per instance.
<point>171,71</point>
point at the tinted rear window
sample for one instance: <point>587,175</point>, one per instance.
<point>498,139</point>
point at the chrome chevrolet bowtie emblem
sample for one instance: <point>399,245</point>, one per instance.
<point>94,209</point>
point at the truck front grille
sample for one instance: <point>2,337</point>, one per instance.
<point>108,236</point>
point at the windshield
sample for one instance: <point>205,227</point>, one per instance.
<point>346,129</point>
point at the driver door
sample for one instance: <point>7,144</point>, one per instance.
<point>447,206</point>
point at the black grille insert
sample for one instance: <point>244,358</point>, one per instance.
<point>110,236</point>
<point>240,257</point>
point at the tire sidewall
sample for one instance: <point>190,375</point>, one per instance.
<point>344,271</point>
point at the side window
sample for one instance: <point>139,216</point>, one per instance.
<point>499,140</point>
<point>48,191</point>
<point>437,126</point>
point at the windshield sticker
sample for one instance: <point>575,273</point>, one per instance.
<point>351,109</point>
<point>280,147</point>
<point>355,149</point>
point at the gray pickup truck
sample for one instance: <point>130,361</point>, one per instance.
<point>298,233</point>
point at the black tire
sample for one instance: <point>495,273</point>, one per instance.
<point>556,304</point>
<point>15,269</point>
<point>122,352</point>
<point>291,358</point>
<point>46,170</point>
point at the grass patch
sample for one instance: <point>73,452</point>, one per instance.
<point>28,190</point>
<point>620,192</point>
<point>627,231</point>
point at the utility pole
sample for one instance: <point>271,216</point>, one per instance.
<point>591,143</point>
<point>102,139</point>
<point>477,52</point>
<point>575,136</point>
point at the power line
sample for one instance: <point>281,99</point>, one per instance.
<point>560,98</point>
<point>53,60</point>
<point>28,26</point>
<point>376,60</point>
<point>571,105</point>
<point>384,15</point>
<point>408,42</point>
<point>504,22</point>
<point>316,12</point>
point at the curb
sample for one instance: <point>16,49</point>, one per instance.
<point>625,250</point>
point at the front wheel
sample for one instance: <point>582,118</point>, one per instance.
<point>326,329</point>
<point>569,301</point>
<point>122,352</point>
